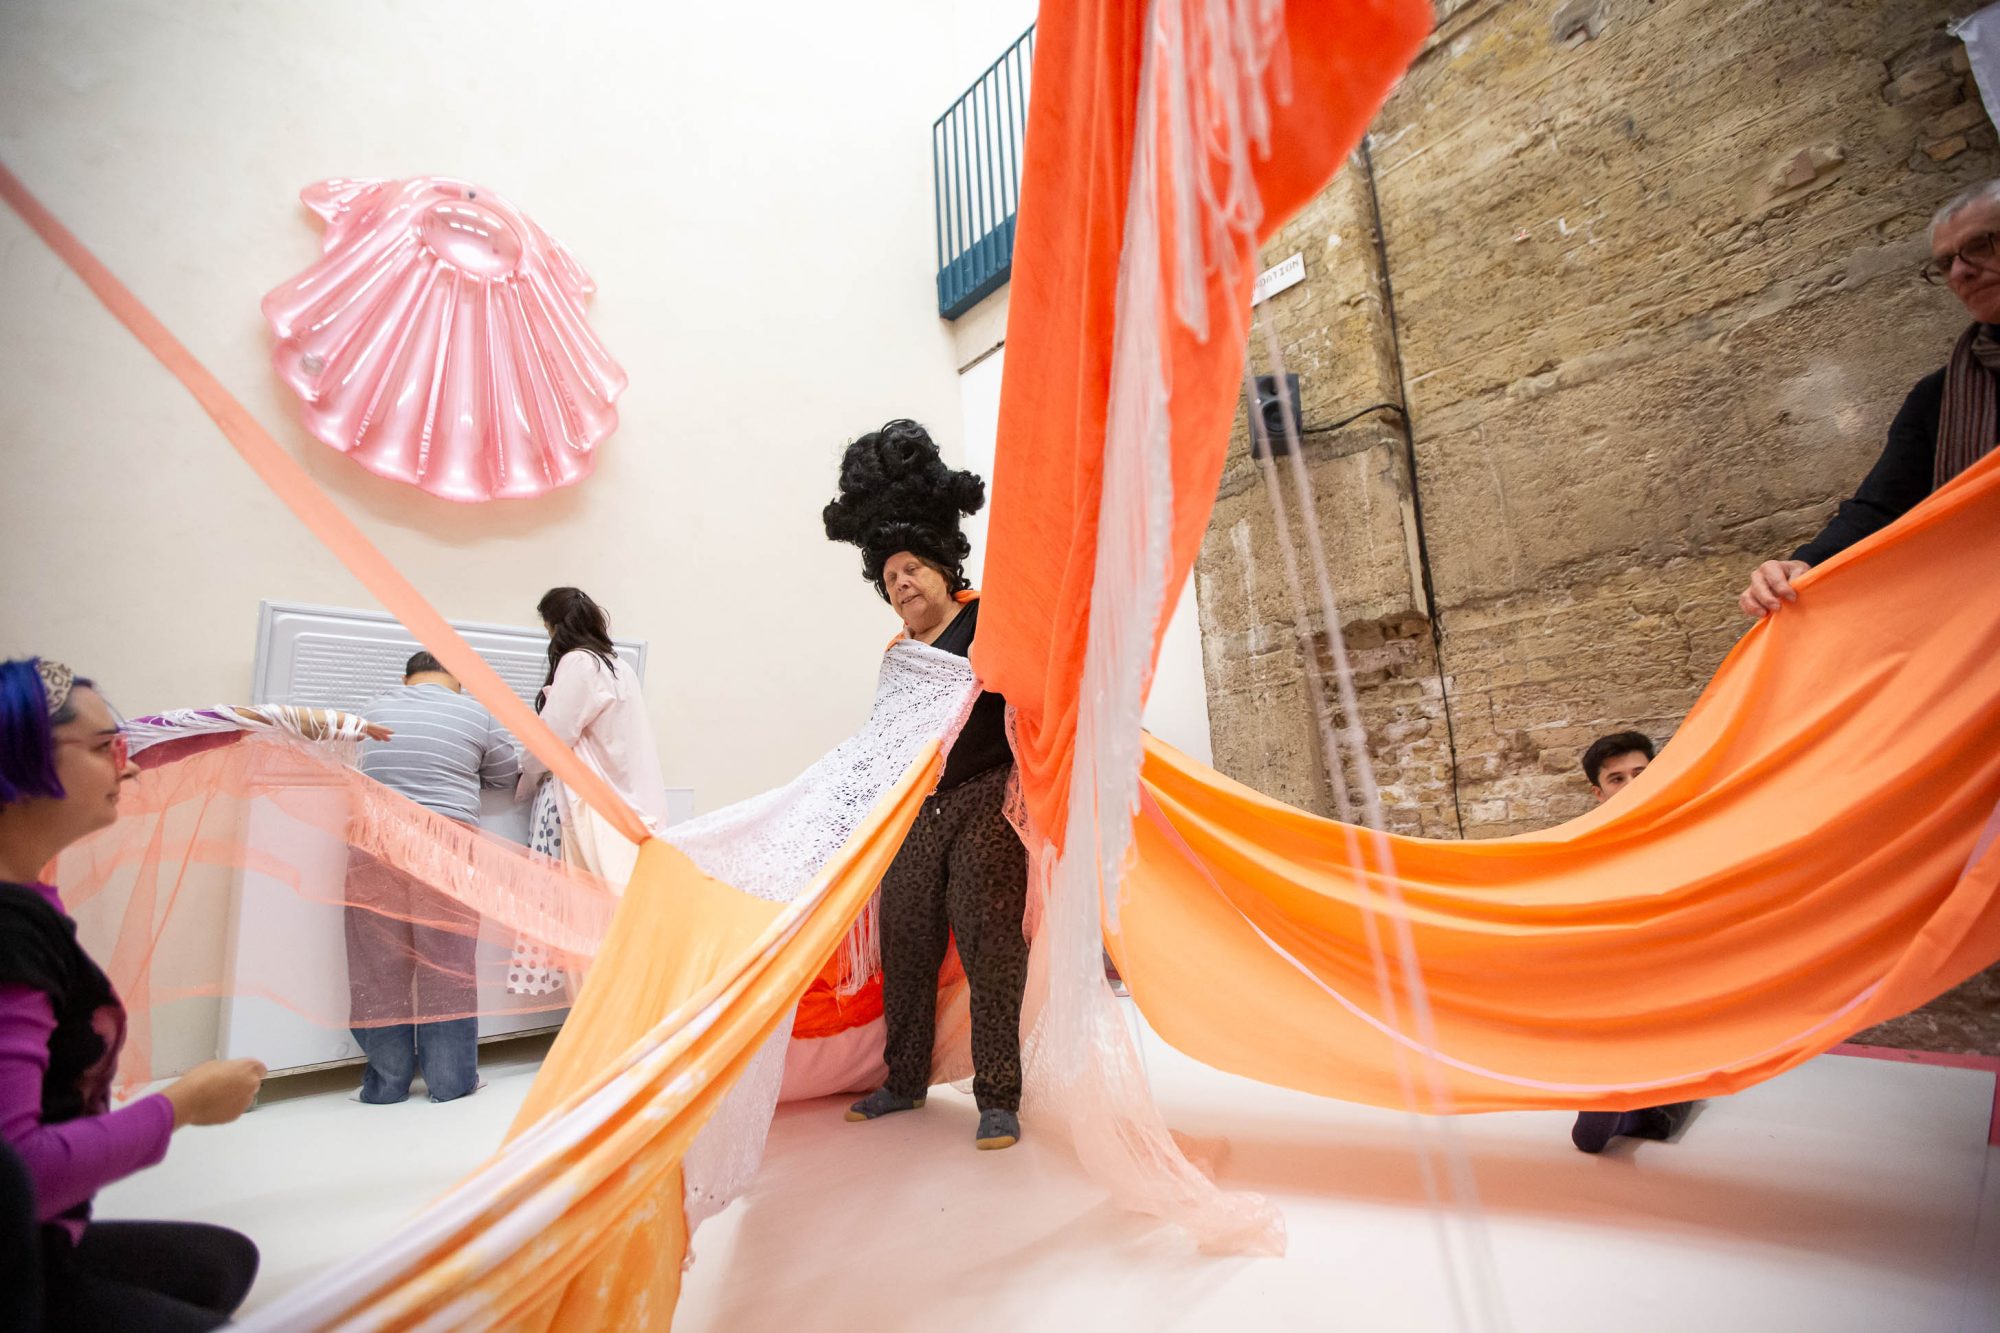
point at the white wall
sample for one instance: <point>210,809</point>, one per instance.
<point>979,428</point>
<point>753,197</point>
<point>981,30</point>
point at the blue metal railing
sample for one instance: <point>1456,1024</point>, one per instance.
<point>976,159</point>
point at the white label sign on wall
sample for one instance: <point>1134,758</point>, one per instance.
<point>1274,280</point>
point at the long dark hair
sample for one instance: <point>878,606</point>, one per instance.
<point>576,624</point>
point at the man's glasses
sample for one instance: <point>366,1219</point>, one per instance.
<point>1977,252</point>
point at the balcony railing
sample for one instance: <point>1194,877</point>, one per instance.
<point>976,157</point>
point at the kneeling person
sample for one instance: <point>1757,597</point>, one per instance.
<point>1613,763</point>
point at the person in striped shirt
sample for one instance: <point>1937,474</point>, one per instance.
<point>410,948</point>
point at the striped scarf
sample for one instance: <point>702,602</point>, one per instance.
<point>1969,419</point>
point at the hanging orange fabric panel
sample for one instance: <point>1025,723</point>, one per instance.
<point>1337,63</point>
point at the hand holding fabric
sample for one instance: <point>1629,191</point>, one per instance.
<point>215,1092</point>
<point>1771,587</point>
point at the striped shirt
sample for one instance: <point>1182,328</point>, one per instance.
<point>446,747</point>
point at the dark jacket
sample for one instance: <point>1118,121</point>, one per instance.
<point>1900,478</point>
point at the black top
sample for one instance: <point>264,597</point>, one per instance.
<point>982,745</point>
<point>1899,480</point>
<point>38,949</point>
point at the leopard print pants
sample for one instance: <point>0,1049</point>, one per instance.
<point>961,873</point>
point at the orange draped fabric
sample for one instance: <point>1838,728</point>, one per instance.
<point>1813,853</point>
<point>825,1011</point>
<point>1339,62</point>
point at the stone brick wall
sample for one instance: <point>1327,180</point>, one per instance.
<point>1617,302</point>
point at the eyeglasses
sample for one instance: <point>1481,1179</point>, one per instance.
<point>121,747</point>
<point>1978,252</point>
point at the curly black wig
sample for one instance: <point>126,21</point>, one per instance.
<point>898,494</point>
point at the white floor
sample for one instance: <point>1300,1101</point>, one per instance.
<point>1848,1195</point>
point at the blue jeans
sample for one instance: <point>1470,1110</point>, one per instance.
<point>412,994</point>
<point>447,1052</point>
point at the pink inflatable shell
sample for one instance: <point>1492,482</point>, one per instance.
<point>441,341</point>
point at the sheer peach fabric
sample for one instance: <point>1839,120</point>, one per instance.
<point>158,896</point>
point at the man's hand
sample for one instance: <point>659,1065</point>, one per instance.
<point>1771,587</point>
<point>376,732</point>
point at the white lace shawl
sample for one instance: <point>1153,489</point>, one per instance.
<point>773,845</point>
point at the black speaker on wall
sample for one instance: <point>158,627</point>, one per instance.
<point>1272,401</point>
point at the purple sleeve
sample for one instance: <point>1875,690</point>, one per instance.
<point>72,1161</point>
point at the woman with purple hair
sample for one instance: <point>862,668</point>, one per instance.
<point>63,759</point>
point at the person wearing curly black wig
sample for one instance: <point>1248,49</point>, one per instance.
<point>962,873</point>
<point>63,761</point>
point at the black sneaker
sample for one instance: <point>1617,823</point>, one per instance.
<point>997,1129</point>
<point>1594,1129</point>
<point>882,1102</point>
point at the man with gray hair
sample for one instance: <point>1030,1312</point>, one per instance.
<point>1950,420</point>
